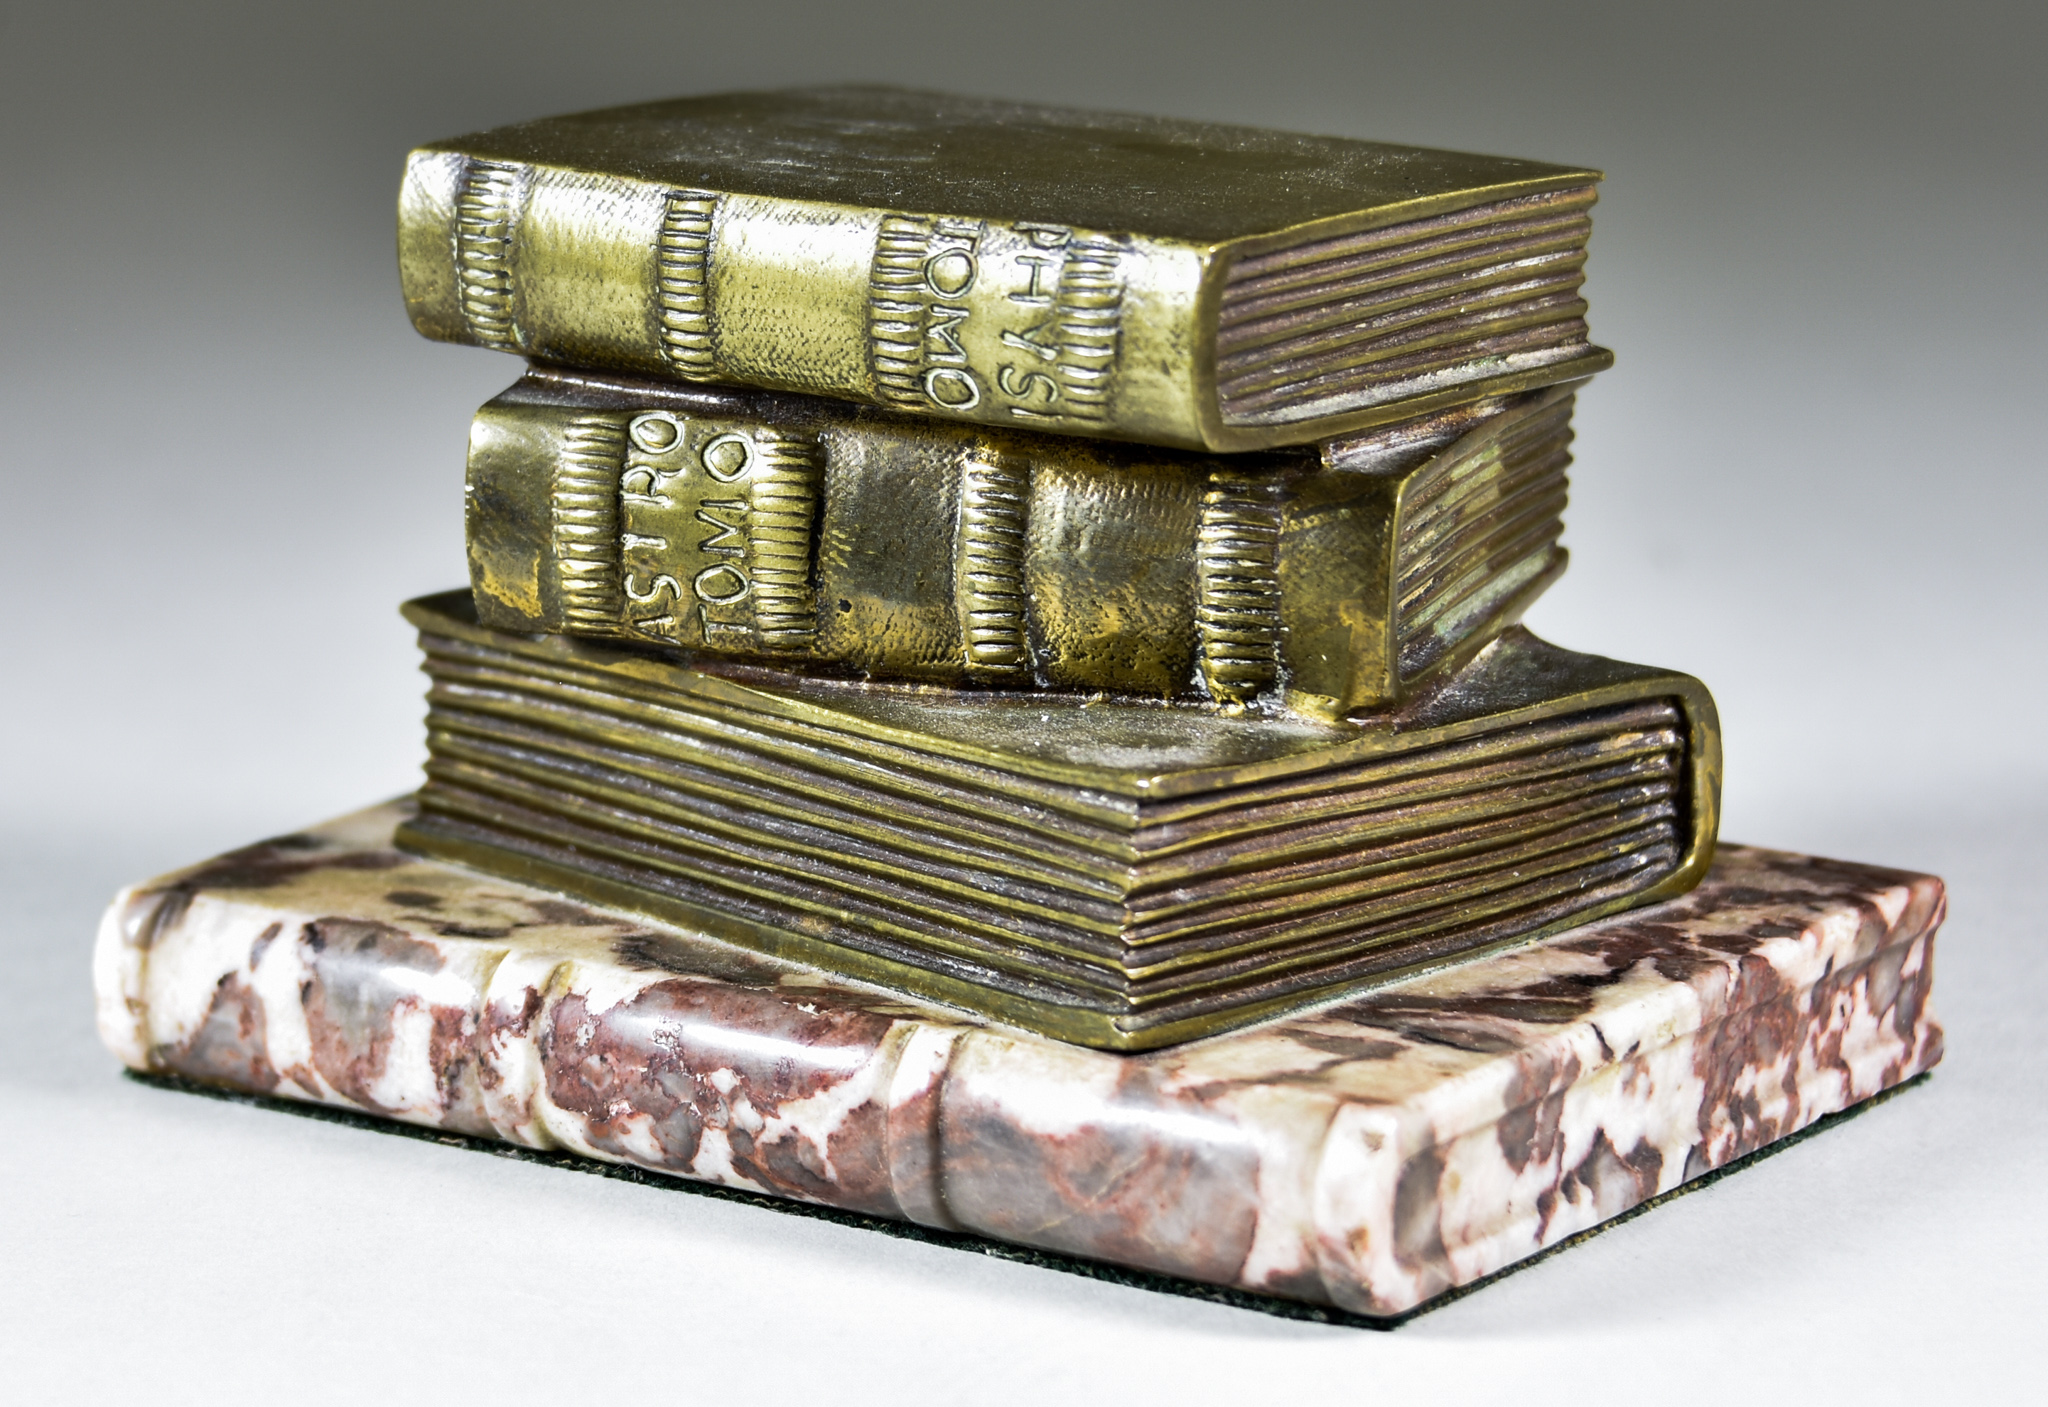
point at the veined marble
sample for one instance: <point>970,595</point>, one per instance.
<point>1371,1153</point>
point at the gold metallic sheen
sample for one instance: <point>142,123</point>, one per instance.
<point>955,805</point>
<point>838,539</point>
<point>1172,283</point>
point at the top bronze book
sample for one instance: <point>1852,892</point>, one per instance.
<point>1134,278</point>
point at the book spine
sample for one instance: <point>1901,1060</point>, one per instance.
<point>1011,323</point>
<point>899,552</point>
<point>802,530</point>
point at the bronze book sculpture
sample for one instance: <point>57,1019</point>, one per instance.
<point>1121,875</point>
<point>1120,742</point>
<point>991,694</point>
<point>811,533</point>
<point>1099,274</point>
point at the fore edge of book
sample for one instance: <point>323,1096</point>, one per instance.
<point>1031,326</point>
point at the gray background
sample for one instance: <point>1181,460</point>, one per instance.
<point>1815,479</point>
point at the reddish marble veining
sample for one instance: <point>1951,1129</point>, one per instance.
<point>1371,1153</point>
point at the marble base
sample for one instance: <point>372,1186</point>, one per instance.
<point>1370,1154</point>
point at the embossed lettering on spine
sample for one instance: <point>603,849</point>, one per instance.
<point>1013,323</point>
<point>678,533</point>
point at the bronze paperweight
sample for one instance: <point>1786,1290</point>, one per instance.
<point>991,697</point>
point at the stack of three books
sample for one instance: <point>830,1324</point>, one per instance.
<point>1065,567</point>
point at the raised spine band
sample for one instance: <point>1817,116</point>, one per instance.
<point>988,570</point>
<point>1237,583</point>
<point>1090,303</point>
<point>485,210</point>
<point>683,257</point>
<point>780,524</point>
<point>584,516</point>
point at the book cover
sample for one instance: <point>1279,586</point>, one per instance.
<point>826,536</point>
<point>1096,274</point>
<point>1119,874</point>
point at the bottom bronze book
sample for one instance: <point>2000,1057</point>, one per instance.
<point>1112,873</point>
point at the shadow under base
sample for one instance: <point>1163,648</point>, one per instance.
<point>982,1245</point>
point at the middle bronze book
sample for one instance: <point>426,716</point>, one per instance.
<point>829,537</point>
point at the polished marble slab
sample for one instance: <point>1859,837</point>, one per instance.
<point>1369,1154</point>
